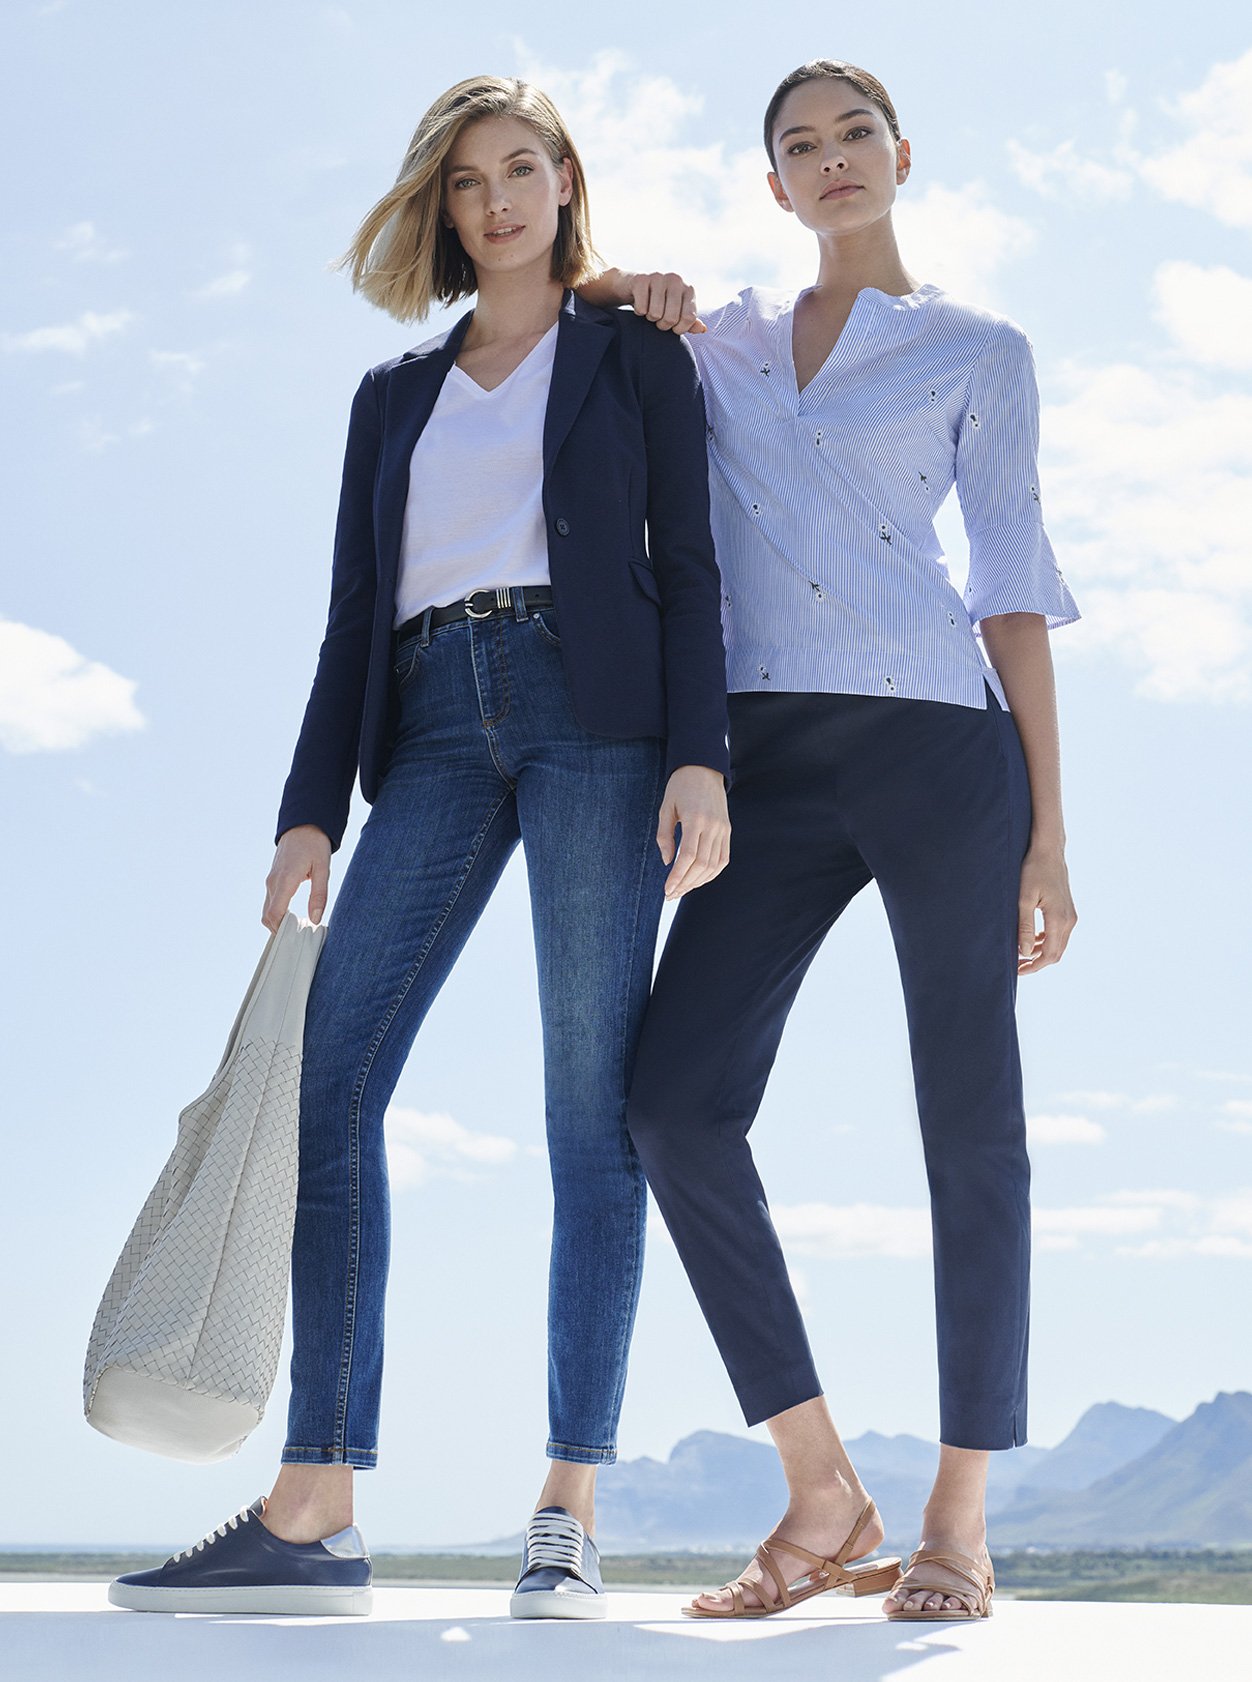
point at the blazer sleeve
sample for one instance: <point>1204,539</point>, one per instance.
<point>324,767</point>
<point>680,543</point>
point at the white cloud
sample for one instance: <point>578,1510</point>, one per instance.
<point>1173,1249</point>
<point>1169,1197</point>
<point>959,238</point>
<point>1102,1100</point>
<point>1115,86</point>
<point>53,698</point>
<point>73,337</point>
<point>662,200</point>
<point>94,435</point>
<point>1211,168</point>
<point>1095,1220</point>
<point>1147,478</point>
<point>1236,1126</point>
<point>421,1144</point>
<point>1064,1130</point>
<point>1219,1227</point>
<point>1237,1106</point>
<point>227,285</point>
<point>184,362</point>
<point>1180,1222</point>
<point>85,245</point>
<point>854,1229</point>
<point>1064,171</point>
<point>1207,312</point>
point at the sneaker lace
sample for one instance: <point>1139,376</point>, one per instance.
<point>553,1540</point>
<point>241,1517</point>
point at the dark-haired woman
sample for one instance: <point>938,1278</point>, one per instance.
<point>506,658</point>
<point>870,740</point>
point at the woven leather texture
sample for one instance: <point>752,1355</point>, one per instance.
<point>197,1300</point>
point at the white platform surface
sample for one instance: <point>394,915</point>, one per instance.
<point>59,1632</point>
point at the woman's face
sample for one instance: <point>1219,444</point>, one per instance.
<point>502,192</point>
<point>838,162</point>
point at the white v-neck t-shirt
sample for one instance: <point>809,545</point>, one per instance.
<point>473,519</point>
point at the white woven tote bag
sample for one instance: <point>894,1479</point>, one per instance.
<point>184,1349</point>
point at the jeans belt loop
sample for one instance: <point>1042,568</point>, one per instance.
<point>425,631</point>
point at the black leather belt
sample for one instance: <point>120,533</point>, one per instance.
<point>481,604</point>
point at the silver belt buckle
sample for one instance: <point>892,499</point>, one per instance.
<point>469,611</point>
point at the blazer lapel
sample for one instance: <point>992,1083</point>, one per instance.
<point>415,384</point>
<point>582,337</point>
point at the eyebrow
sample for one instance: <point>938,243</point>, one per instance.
<point>522,152</point>
<point>807,128</point>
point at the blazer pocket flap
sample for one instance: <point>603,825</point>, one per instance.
<point>645,578</point>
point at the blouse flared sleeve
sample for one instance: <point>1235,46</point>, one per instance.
<point>1012,568</point>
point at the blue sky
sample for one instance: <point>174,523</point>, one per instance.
<point>179,360</point>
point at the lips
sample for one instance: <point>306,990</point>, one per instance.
<point>499,235</point>
<point>844,190</point>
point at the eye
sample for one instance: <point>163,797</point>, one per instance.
<point>857,133</point>
<point>464,181</point>
<point>798,146</point>
<point>524,169</point>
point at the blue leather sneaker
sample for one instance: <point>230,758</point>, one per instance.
<point>243,1567</point>
<point>560,1576</point>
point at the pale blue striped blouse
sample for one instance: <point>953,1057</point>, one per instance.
<point>824,501</point>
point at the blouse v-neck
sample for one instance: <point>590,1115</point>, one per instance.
<point>494,391</point>
<point>854,328</point>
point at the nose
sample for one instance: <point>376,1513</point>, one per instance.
<point>833,161</point>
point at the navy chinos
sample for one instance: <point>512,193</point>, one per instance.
<point>830,792</point>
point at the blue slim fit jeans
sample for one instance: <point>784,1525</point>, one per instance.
<point>487,752</point>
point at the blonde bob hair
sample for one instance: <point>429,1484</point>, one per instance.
<point>404,259</point>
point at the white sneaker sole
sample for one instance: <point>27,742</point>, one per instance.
<point>308,1599</point>
<point>550,1603</point>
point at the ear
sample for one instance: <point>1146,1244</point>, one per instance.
<point>780,197</point>
<point>565,175</point>
<point>904,161</point>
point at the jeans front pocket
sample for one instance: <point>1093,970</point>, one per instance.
<point>404,662</point>
<point>545,624</point>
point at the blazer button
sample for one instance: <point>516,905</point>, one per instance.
<point>562,527</point>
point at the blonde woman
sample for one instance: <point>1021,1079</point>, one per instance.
<point>508,657</point>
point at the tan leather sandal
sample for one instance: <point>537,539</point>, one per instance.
<point>824,1576</point>
<point>976,1598</point>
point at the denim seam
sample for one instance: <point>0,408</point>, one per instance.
<point>496,718</point>
<point>623,1015</point>
<point>345,1369</point>
<point>323,1448</point>
<point>1005,720</point>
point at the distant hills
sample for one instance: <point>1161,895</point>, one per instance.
<point>1192,1486</point>
<point>1122,1477</point>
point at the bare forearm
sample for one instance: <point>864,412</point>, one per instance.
<point>1017,645</point>
<point>608,289</point>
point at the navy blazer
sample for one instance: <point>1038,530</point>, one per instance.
<point>634,579</point>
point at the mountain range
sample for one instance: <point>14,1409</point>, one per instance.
<point>1123,1477</point>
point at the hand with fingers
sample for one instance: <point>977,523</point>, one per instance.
<point>1044,891</point>
<point>666,299</point>
<point>303,855</point>
<point>695,803</point>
